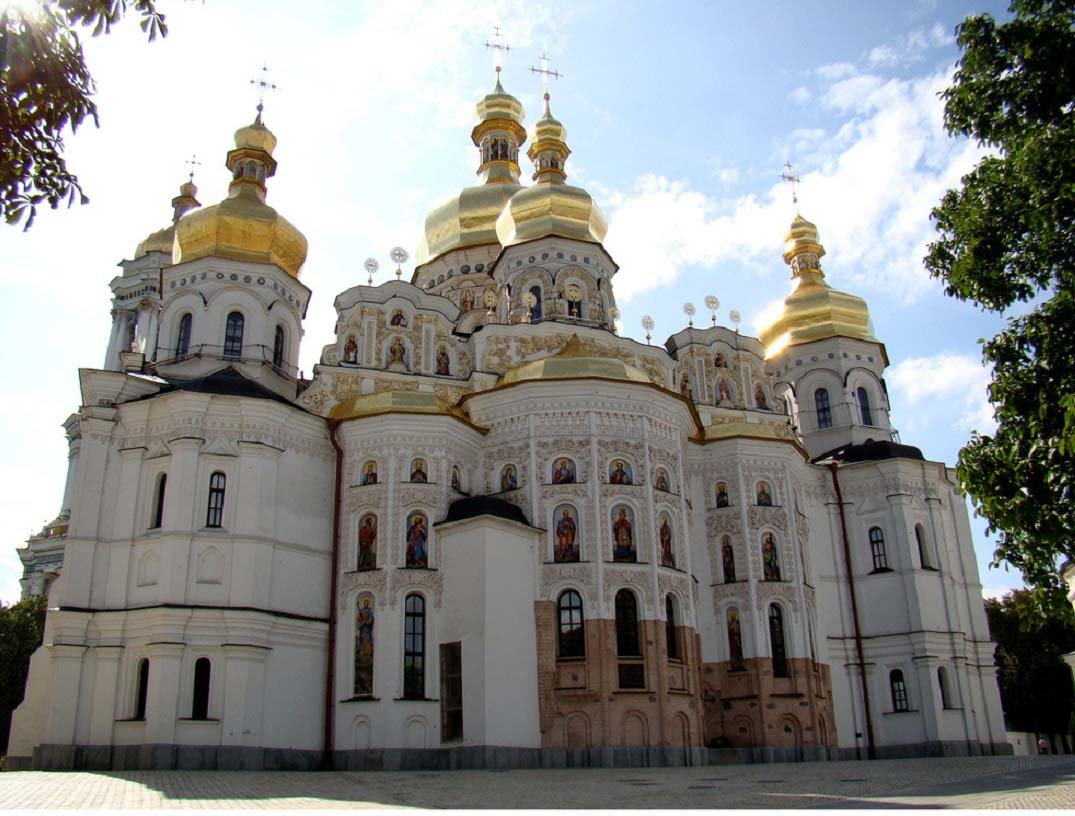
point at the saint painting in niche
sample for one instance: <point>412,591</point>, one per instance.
<point>397,355</point>
<point>350,350</point>
<point>722,494</point>
<point>398,319</point>
<point>418,471</point>
<point>364,619</point>
<point>455,478</point>
<point>509,478</point>
<point>759,397</point>
<point>769,560</point>
<point>664,534</point>
<point>367,542</point>
<point>369,474</point>
<point>765,498</point>
<point>620,473</point>
<point>727,556</point>
<point>567,548</point>
<point>661,482</point>
<point>720,361</point>
<point>417,535</point>
<point>735,640</point>
<point>563,471</point>
<point>623,541</point>
<point>443,362</point>
<point>466,301</point>
<point>724,394</point>
<point>685,385</point>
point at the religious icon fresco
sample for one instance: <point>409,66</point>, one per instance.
<point>685,385</point>
<point>364,620</point>
<point>563,471</point>
<point>418,471</point>
<point>664,535</point>
<point>660,482</point>
<point>466,300</point>
<point>369,473</point>
<point>456,478</point>
<point>724,394</point>
<point>398,319</point>
<point>417,537</point>
<point>397,354</point>
<point>350,350</point>
<point>623,537</point>
<point>509,478</point>
<point>765,498</point>
<point>735,640</point>
<point>727,556</point>
<point>769,559</point>
<point>720,361</point>
<point>759,397</point>
<point>367,542</point>
<point>619,472</point>
<point>722,494</point>
<point>444,366</point>
<point>566,549</point>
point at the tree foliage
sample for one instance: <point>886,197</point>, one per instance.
<point>21,628</point>
<point>1035,683</point>
<point>46,87</point>
<point>1007,239</point>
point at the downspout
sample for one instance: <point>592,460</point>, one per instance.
<point>327,761</point>
<point>871,752</point>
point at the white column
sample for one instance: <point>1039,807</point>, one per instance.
<point>105,688</point>
<point>255,522</point>
<point>162,699</point>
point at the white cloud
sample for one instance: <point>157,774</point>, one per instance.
<point>947,383</point>
<point>910,48</point>
<point>801,95</point>
<point>836,70</point>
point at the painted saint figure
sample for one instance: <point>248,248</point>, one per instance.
<point>398,319</point>
<point>769,558</point>
<point>765,498</point>
<point>417,534</point>
<point>724,394</point>
<point>364,620</point>
<point>563,472</point>
<point>759,397</point>
<point>661,482</point>
<point>720,361</point>
<point>727,556</point>
<point>455,478</point>
<point>509,480</point>
<point>350,350</point>
<point>367,542</point>
<point>369,475</point>
<point>722,494</point>
<point>620,473</point>
<point>685,386</point>
<point>735,640</point>
<point>443,363</point>
<point>566,531</point>
<point>668,558</point>
<point>397,354</point>
<point>418,471</point>
<point>623,536</point>
<point>466,301</point>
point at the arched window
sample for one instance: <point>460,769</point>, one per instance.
<point>627,641</point>
<point>158,504</point>
<point>776,640</point>
<point>864,407</point>
<point>278,347</point>
<point>182,340</point>
<point>199,709</point>
<point>572,639</point>
<point>142,692</point>
<point>233,336</point>
<point>414,648</point>
<point>877,549</point>
<point>215,515</point>
<point>670,636</point>
<point>899,690</point>
<point>535,310</point>
<point>946,692</point>
<point>923,550</point>
<point>824,412</point>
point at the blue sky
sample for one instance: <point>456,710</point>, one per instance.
<point>680,117</point>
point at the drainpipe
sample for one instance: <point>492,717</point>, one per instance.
<point>871,752</point>
<point>327,761</point>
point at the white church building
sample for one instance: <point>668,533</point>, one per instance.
<point>489,531</point>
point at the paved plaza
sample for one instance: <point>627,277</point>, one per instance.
<point>976,782</point>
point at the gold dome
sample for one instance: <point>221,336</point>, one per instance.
<point>551,208</point>
<point>395,402</point>
<point>813,310</point>
<point>242,226</point>
<point>163,239</point>
<point>573,362</point>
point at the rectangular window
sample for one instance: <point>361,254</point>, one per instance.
<point>414,648</point>
<point>451,691</point>
<point>214,517</point>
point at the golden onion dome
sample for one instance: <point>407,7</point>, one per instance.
<point>469,218</point>
<point>813,310</point>
<point>573,362</point>
<point>163,239</point>
<point>242,226</point>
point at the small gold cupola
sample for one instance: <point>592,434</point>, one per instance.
<point>813,310</point>
<point>243,227</point>
<point>499,134</point>
<point>549,150</point>
<point>162,239</point>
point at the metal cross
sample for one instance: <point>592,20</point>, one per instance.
<point>545,72</point>
<point>790,178</point>
<point>499,49</point>
<point>263,84</point>
<point>193,162</point>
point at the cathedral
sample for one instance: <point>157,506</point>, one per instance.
<point>489,531</point>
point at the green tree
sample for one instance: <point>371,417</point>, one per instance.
<point>1007,239</point>
<point>21,628</point>
<point>45,87</point>
<point>1035,682</point>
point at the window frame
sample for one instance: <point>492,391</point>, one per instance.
<point>877,549</point>
<point>183,334</point>
<point>862,397</point>
<point>202,686</point>
<point>234,329</point>
<point>823,408</point>
<point>571,617</point>
<point>671,634</point>
<point>279,346</point>
<point>159,496</point>
<point>778,641</point>
<point>214,511</point>
<point>141,688</point>
<point>414,647</point>
<point>897,687</point>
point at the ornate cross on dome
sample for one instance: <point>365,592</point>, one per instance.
<point>193,162</point>
<point>263,84</point>
<point>545,72</point>
<point>499,49</point>
<point>791,179</point>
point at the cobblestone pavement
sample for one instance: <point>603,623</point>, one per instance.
<point>972,782</point>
